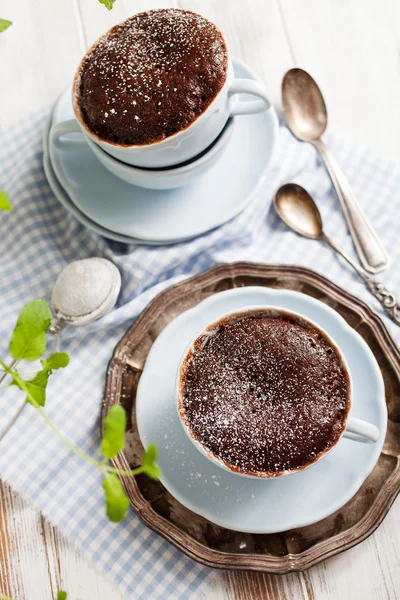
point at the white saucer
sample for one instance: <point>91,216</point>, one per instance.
<point>257,506</point>
<point>173,215</point>
<point>66,201</point>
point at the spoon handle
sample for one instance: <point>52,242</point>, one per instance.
<point>370,250</point>
<point>57,326</point>
<point>381,293</point>
<point>386,298</point>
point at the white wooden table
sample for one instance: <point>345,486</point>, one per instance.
<point>352,48</point>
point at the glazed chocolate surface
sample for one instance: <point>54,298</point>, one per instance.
<point>151,76</point>
<point>265,394</point>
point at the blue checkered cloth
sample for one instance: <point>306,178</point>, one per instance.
<point>40,237</point>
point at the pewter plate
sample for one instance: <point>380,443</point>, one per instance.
<point>213,545</point>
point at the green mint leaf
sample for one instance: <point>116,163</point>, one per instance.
<point>148,462</point>
<point>114,432</point>
<point>152,471</point>
<point>5,204</point>
<point>36,387</point>
<point>116,500</point>
<point>58,360</point>
<point>62,596</point>
<point>4,24</point>
<point>107,3</point>
<point>149,455</point>
<point>28,340</point>
<point>32,394</point>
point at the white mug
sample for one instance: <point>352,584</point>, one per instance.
<point>352,424</point>
<point>187,143</point>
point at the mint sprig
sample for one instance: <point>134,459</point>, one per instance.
<point>58,360</point>
<point>4,24</point>
<point>112,443</point>
<point>107,3</point>
<point>117,502</point>
<point>37,385</point>
<point>5,203</point>
<point>148,462</point>
<point>28,342</point>
<point>114,432</point>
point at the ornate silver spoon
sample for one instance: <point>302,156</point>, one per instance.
<point>307,118</point>
<point>298,210</point>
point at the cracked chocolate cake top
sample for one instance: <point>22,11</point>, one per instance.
<point>265,394</point>
<point>151,76</point>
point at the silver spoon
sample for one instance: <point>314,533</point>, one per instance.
<point>84,291</point>
<point>307,118</point>
<point>298,210</point>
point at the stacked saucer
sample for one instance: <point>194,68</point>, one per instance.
<point>212,188</point>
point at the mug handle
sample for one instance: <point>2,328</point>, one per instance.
<point>248,107</point>
<point>64,127</point>
<point>362,428</point>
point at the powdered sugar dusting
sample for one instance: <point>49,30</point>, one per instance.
<point>151,76</point>
<point>265,394</point>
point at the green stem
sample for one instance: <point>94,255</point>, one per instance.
<point>100,465</point>
<point>7,369</point>
<point>133,472</point>
<point>64,440</point>
<point>21,384</point>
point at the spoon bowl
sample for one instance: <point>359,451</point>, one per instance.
<point>304,105</point>
<point>298,210</point>
<point>85,291</point>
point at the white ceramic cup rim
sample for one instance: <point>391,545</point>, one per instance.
<point>352,424</point>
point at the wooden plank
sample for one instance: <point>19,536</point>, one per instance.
<point>38,55</point>
<point>36,561</point>
<point>257,586</point>
<point>352,48</point>
<point>23,565</point>
<point>71,570</point>
<point>6,541</point>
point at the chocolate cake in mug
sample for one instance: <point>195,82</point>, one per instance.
<point>265,395</point>
<point>151,76</point>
